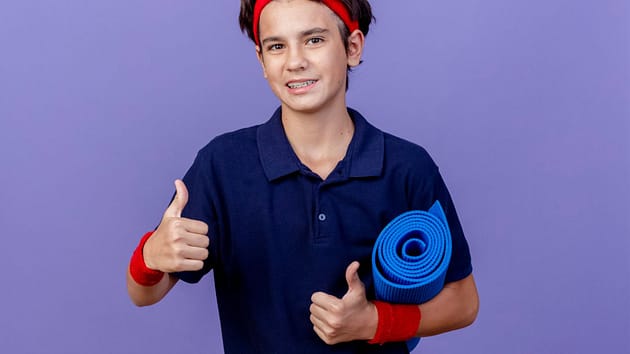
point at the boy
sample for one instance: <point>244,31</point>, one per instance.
<point>286,213</point>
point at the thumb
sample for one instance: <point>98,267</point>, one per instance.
<point>352,277</point>
<point>179,201</point>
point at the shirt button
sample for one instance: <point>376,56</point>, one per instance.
<point>321,217</point>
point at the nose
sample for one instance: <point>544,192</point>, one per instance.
<point>296,59</point>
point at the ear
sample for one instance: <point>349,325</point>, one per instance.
<point>356,41</point>
<point>261,60</point>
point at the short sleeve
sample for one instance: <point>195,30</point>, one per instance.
<point>200,207</point>
<point>435,189</point>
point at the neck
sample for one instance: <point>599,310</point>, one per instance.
<point>319,139</point>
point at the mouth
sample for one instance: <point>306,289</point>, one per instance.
<point>300,84</point>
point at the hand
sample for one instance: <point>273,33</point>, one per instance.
<point>350,318</point>
<point>178,244</point>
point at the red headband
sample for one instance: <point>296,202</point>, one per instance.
<point>335,5</point>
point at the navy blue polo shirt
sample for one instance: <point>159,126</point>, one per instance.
<point>278,232</point>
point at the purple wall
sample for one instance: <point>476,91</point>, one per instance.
<point>524,104</point>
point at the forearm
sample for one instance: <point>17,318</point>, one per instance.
<point>148,295</point>
<point>455,307</point>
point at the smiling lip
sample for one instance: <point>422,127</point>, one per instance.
<point>300,86</point>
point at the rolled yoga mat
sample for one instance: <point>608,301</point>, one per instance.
<point>410,258</point>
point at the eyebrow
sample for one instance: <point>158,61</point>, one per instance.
<point>309,32</point>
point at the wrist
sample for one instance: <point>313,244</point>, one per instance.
<point>370,321</point>
<point>396,322</point>
<point>138,269</point>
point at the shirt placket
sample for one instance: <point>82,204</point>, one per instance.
<point>322,217</point>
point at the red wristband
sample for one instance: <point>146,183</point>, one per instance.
<point>396,323</point>
<point>139,271</point>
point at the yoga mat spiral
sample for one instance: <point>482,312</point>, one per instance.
<point>410,258</point>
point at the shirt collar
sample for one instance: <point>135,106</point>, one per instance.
<point>364,157</point>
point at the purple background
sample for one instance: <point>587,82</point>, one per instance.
<point>525,105</point>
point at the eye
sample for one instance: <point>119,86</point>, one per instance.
<point>274,47</point>
<point>315,40</point>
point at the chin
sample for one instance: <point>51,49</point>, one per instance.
<point>303,107</point>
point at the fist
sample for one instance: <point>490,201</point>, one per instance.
<point>178,244</point>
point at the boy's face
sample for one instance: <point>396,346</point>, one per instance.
<point>303,55</point>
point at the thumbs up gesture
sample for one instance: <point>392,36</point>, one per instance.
<point>352,317</point>
<point>178,244</point>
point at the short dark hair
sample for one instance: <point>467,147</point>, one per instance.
<point>359,10</point>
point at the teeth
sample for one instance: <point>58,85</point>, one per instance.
<point>301,84</point>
